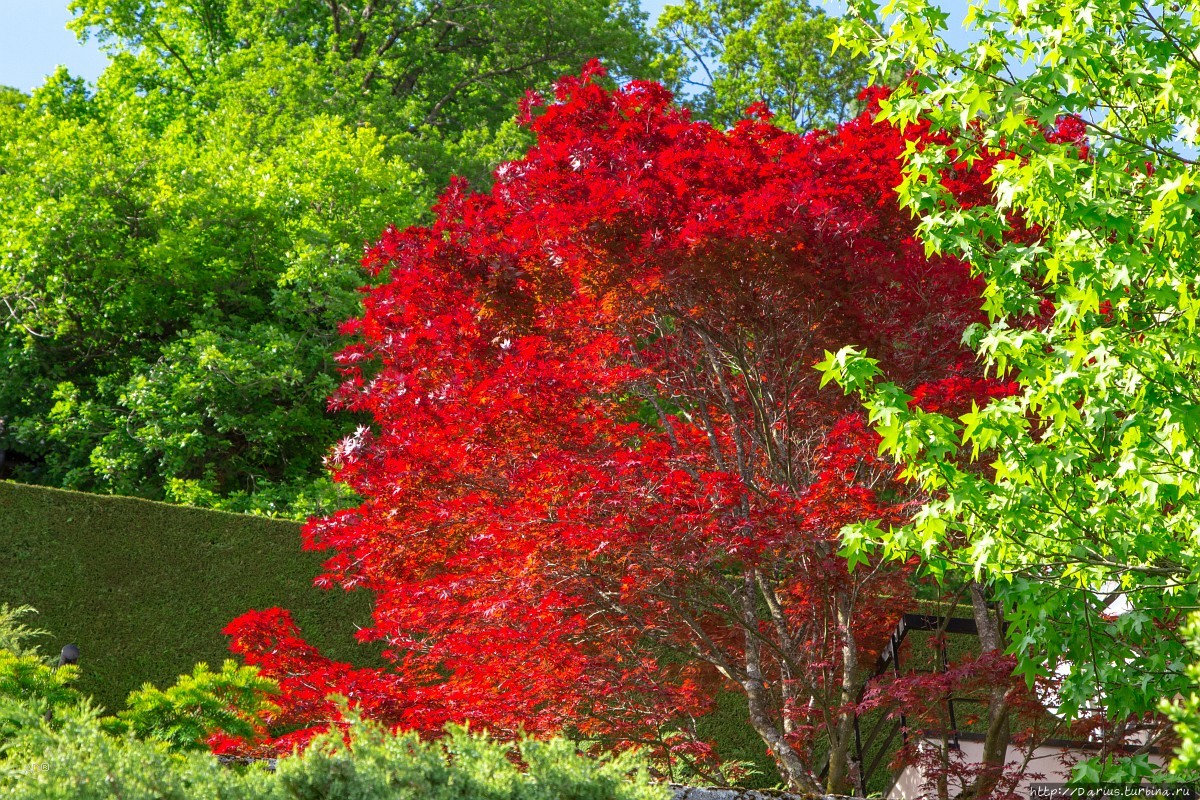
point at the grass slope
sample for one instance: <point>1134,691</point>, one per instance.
<point>144,588</point>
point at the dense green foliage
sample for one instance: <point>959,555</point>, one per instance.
<point>182,716</point>
<point>439,80</point>
<point>144,588</point>
<point>54,744</point>
<point>1077,496</point>
<point>180,242</point>
<point>172,295</point>
<point>733,53</point>
<point>74,757</point>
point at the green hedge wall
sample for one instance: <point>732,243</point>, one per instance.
<point>144,588</point>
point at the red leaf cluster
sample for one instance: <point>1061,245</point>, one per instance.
<point>601,481</point>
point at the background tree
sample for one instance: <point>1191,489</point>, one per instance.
<point>1080,511</point>
<point>444,74</point>
<point>730,54</point>
<point>179,242</point>
<point>602,480</point>
<point>170,295</point>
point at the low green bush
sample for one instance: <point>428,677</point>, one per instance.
<point>75,758</point>
<point>56,744</point>
<point>232,700</point>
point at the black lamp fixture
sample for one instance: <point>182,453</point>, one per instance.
<point>69,655</point>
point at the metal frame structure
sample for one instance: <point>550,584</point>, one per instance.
<point>890,659</point>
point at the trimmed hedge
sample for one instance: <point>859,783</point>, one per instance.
<point>144,588</point>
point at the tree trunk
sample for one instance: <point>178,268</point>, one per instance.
<point>790,765</point>
<point>999,731</point>
<point>838,779</point>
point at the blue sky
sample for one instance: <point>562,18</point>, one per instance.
<point>34,40</point>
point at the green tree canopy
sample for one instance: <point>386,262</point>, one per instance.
<point>437,71</point>
<point>179,243</point>
<point>733,53</point>
<point>1076,497</point>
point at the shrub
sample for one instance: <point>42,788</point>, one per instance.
<point>15,634</point>
<point>79,759</point>
<point>25,676</point>
<point>185,715</point>
<point>155,748</point>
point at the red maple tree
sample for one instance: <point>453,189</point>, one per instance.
<point>602,482</point>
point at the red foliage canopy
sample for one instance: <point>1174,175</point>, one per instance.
<point>602,482</point>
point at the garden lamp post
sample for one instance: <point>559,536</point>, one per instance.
<point>69,655</point>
